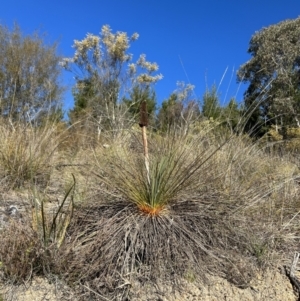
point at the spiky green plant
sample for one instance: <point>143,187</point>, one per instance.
<point>51,228</point>
<point>176,166</point>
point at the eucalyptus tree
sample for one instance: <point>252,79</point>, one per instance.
<point>273,74</point>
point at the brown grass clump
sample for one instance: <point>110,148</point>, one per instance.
<point>27,153</point>
<point>21,253</point>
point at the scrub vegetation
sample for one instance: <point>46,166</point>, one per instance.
<point>127,193</point>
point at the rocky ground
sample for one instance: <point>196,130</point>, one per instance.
<point>272,285</point>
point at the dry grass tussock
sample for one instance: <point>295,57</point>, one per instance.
<point>206,206</point>
<point>27,154</point>
<point>21,253</point>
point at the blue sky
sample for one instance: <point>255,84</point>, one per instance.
<point>193,40</point>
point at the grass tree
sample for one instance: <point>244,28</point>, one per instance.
<point>157,216</point>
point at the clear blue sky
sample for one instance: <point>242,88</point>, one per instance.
<point>192,40</point>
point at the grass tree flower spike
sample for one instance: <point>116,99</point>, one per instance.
<point>143,124</point>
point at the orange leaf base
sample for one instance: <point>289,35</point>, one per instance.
<point>153,211</point>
